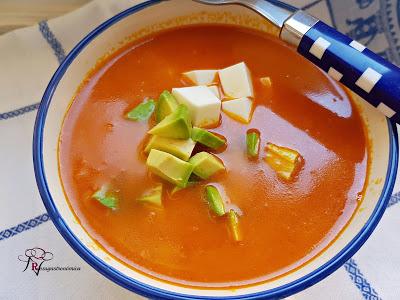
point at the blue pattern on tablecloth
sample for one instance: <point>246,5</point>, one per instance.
<point>360,281</point>
<point>19,111</point>
<point>24,226</point>
<point>52,40</point>
<point>59,52</point>
<point>374,23</point>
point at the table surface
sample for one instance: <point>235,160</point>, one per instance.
<point>20,13</point>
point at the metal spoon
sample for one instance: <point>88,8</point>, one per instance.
<point>367,74</point>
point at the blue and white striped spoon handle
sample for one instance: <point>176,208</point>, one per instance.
<point>367,74</point>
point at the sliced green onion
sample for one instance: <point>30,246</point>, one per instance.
<point>253,143</point>
<point>215,201</point>
<point>233,220</point>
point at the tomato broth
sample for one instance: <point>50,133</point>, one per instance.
<point>284,223</point>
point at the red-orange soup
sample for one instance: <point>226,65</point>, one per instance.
<point>284,223</point>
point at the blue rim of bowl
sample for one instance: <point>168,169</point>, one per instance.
<point>150,291</point>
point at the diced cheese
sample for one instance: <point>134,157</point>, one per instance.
<point>202,77</point>
<point>266,81</point>
<point>203,105</point>
<point>215,90</point>
<point>236,81</point>
<point>238,108</point>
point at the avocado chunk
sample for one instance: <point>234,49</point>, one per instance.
<point>142,112</point>
<point>176,125</point>
<point>152,196</point>
<point>206,164</point>
<point>207,138</point>
<point>169,167</point>
<point>104,197</point>
<point>180,148</point>
<point>214,200</point>
<point>177,188</point>
<point>165,106</point>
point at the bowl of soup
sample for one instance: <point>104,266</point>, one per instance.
<point>185,152</point>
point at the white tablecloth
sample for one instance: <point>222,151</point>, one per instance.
<point>28,58</point>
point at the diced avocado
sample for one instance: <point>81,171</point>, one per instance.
<point>176,125</point>
<point>206,164</point>
<point>215,200</point>
<point>169,167</point>
<point>177,188</point>
<point>207,138</point>
<point>253,143</point>
<point>283,160</point>
<point>142,112</point>
<point>105,198</point>
<point>233,220</point>
<point>153,196</point>
<point>165,106</point>
<point>180,148</point>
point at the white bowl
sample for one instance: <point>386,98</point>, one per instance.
<point>141,20</point>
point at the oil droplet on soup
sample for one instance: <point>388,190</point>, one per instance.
<point>284,223</point>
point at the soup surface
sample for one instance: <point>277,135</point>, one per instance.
<point>284,223</point>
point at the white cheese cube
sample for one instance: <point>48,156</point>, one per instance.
<point>202,77</point>
<point>203,105</point>
<point>215,90</point>
<point>236,81</point>
<point>238,108</point>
